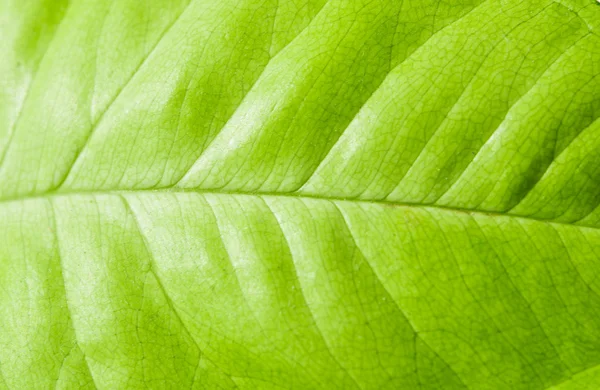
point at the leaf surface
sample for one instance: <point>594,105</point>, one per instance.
<point>302,194</point>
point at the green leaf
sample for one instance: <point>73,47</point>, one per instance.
<point>300,194</point>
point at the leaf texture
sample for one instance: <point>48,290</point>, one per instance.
<point>300,194</point>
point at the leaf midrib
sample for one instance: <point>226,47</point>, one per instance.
<point>6,201</point>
